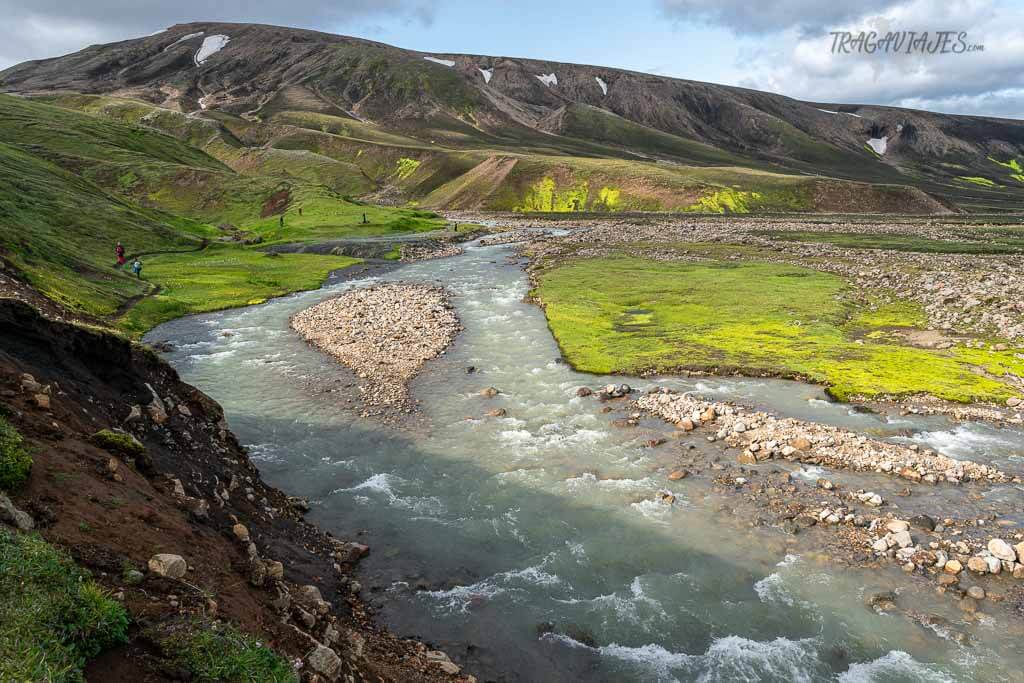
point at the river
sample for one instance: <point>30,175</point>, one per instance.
<point>533,548</point>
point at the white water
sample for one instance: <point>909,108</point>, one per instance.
<point>537,537</point>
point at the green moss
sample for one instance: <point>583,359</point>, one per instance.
<point>223,277</point>
<point>977,180</point>
<point>406,167</point>
<point>53,617</point>
<point>15,460</point>
<point>629,315</point>
<point>726,200</point>
<point>1017,171</point>
<point>219,652</point>
<point>118,443</point>
<point>545,196</point>
<point>608,198</point>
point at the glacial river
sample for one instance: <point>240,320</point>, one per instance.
<point>533,547</point>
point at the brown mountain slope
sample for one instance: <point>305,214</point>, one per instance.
<point>467,102</point>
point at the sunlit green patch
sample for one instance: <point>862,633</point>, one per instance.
<point>726,200</point>
<point>223,278</point>
<point>1016,170</point>
<point>977,180</point>
<point>755,318</point>
<point>545,195</point>
<point>406,167</point>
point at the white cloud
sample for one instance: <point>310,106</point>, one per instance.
<point>989,82</point>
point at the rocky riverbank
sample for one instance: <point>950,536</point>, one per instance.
<point>973,303</point>
<point>938,545</point>
<point>384,334</point>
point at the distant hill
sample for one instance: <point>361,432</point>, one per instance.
<point>449,130</point>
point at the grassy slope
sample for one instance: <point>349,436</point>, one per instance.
<point>630,315</point>
<point>75,184</point>
<point>53,617</point>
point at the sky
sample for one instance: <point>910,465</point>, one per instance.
<point>782,46</point>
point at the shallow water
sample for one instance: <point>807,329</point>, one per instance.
<point>531,547</point>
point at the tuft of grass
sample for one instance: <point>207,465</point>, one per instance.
<point>53,617</point>
<point>15,460</point>
<point>629,315</point>
<point>118,443</point>
<point>219,652</point>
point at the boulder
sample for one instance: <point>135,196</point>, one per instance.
<point>13,516</point>
<point>953,567</point>
<point>240,532</point>
<point>324,661</point>
<point>583,392</point>
<point>168,565</point>
<point>978,565</point>
<point>801,443</point>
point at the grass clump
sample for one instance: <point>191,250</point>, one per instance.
<point>219,652</point>
<point>629,315</point>
<point>15,460</point>
<point>53,617</point>
<point>118,444</point>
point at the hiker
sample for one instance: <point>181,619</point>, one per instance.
<point>282,220</point>
<point>300,210</point>
<point>119,250</point>
<point>137,268</point>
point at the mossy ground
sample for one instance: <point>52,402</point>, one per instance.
<point>53,617</point>
<point>223,277</point>
<point>630,315</point>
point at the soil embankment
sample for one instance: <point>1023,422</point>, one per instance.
<point>188,490</point>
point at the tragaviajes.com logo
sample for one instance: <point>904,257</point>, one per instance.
<point>903,43</point>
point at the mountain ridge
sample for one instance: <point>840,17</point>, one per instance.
<point>466,102</point>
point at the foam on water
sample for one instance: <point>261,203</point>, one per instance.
<point>894,666</point>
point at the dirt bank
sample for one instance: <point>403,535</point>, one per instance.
<point>190,491</point>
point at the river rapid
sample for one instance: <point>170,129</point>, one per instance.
<point>533,547</point>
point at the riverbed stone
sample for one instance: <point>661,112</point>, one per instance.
<point>1002,550</point>
<point>978,565</point>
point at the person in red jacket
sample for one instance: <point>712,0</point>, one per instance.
<point>119,250</point>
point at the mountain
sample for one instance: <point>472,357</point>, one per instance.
<point>466,131</point>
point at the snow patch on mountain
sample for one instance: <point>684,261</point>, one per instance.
<point>189,36</point>
<point>211,46</point>
<point>487,74</point>
<point>878,144</point>
<point>442,62</point>
<point>604,86</point>
<point>548,79</point>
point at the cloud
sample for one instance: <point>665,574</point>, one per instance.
<point>745,17</point>
<point>988,82</point>
<point>48,28</point>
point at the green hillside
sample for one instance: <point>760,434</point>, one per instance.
<point>73,184</point>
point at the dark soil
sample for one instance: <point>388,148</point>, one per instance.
<point>113,515</point>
